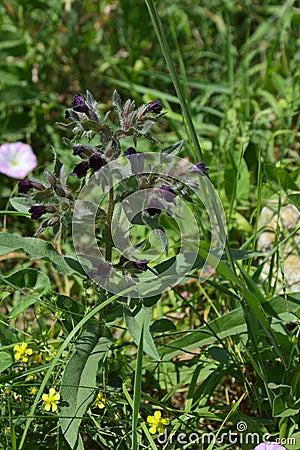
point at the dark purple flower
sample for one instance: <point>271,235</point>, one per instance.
<point>37,211</point>
<point>24,186</point>
<point>154,107</point>
<point>141,264</point>
<point>154,207</point>
<point>130,151</point>
<point>67,114</point>
<point>81,169</point>
<point>79,104</point>
<point>168,193</point>
<point>96,162</point>
<point>201,168</point>
<point>78,150</point>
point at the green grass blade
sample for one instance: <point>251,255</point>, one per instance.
<point>177,84</point>
<point>137,391</point>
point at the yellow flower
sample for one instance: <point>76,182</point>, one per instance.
<point>30,377</point>
<point>158,424</point>
<point>51,399</point>
<point>100,401</point>
<point>22,351</point>
<point>33,390</point>
<point>50,356</point>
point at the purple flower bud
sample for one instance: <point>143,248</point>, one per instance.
<point>96,162</point>
<point>24,186</point>
<point>141,264</point>
<point>37,211</point>
<point>154,107</point>
<point>201,168</point>
<point>78,150</point>
<point>81,169</point>
<point>130,151</point>
<point>82,150</point>
<point>168,193</point>
<point>79,104</point>
<point>154,207</point>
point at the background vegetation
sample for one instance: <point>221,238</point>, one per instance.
<point>239,65</point>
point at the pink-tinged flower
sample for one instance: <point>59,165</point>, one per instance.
<point>269,446</point>
<point>17,159</point>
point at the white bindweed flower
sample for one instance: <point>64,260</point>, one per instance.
<point>17,159</point>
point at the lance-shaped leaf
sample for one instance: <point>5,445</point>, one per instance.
<point>135,323</point>
<point>36,249</point>
<point>79,383</point>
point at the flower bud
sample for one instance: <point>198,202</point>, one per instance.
<point>38,210</point>
<point>130,151</point>
<point>81,169</point>
<point>201,168</point>
<point>79,104</point>
<point>24,186</point>
<point>154,107</point>
<point>82,150</point>
<point>60,191</point>
<point>96,162</point>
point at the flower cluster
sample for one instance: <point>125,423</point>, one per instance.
<point>96,142</point>
<point>100,401</point>
<point>22,352</point>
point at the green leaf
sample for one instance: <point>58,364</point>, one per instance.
<point>35,281</point>
<point>5,361</point>
<point>79,387</point>
<point>36,249</point>
<point>7,334</point>
<point>172,150</point>
<point>281,177</point>
<point>135,325</point>
<point>20,204</point>
<point>295,199</point>
<point>137,389</point>
<point>72,311</point>
<point>24,304</point>
<point>162,325</point>
<point>281,407</point>
<point>219,354</point>
<point>294,440</point>
<point>237,254</point>
<point>230,324</point>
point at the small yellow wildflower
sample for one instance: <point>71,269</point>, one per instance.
<point>51,399</point>
<point>158,424</point>
<point>30,377</point>
<point>33,390</point>
<point>22,352</point>
<point>50,356</point>
<point>100,401</point>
